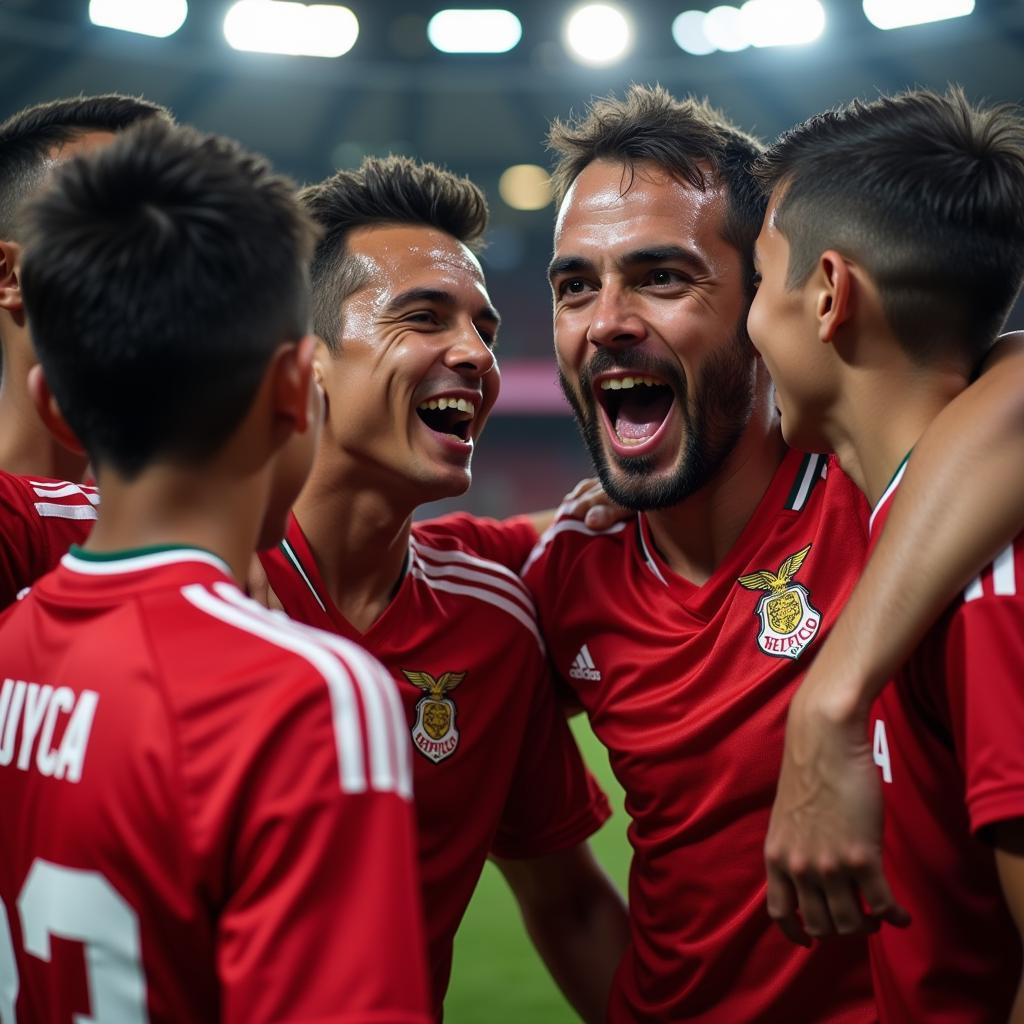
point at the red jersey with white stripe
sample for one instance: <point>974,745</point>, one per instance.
<point>496,769</point>
<point>947,737</point>
<point>207,808</point>
<point>688,687</point>
<point>39,520</point>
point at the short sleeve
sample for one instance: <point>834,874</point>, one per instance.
<point>985,689</point>
<point>323,919</point>
<point>554,802</point>
<point>505,541</point>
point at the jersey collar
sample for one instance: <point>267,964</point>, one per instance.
<point>888,492</point>
<point>113,563</point>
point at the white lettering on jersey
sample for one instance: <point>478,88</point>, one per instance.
<point>880,750</point>
<point>36,708</point>
<point>81,906</point>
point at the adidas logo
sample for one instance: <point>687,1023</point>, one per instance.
<point>583,666</point>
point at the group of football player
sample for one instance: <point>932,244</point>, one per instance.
<point>276,805</point>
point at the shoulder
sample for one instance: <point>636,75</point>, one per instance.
<point>505,541</point>
<point>283,671</point>
<point>50,499</point>
<point>568,540</point>
<point>444,562</point>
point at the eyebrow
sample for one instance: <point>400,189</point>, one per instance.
<point>638,257</point>
<point>439,297</point>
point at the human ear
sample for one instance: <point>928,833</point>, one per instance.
<point>293,382</point>
<point>49,411</point>
<point>10,285</point>
<point>835,294</point>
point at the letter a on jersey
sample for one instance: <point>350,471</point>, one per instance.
<point>789,622</point>
<point>434,734</point>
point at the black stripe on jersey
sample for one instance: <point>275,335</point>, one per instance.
<point>807,478</point>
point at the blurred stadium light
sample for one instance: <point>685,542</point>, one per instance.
<point>480,31</point>
<point>902,13</point>
<point>782,22</point>
<point>160,18</point>
<point>688,32</point>
<point>598,34</point>
<point>281,26</point>
<point>723,28</point>
<point>525,187</point>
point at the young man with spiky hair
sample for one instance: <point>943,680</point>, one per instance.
<point>32,143</point>
<point>208,805</point>
<point>683,635</point>
<point>891,253</point>
<point>408,369</point>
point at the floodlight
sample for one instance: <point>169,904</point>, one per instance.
<point>688,32</point>
<point>525,187</point>
<point>483,31</point>
<point>723,28</point>
<point>160,18</point>
<point>281,26</point>
<point>598,34</point>
<point>782,22</point>
<point>901,13</point>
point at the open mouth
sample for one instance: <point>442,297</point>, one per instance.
<point>453,416</point>
<point>636,407</point>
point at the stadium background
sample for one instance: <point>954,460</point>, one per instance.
<point>480,114</point>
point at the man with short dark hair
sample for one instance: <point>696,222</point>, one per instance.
<point>683,635</point>
<point>211,805</point>
<point>409,374</point>
<point>891,252</point>
<point>32,142</point>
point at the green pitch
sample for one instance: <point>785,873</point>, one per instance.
<point>497,978</point>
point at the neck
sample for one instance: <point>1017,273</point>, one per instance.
<point>695,535</point>
<point>213,510</point>
<point>359,536</point>
<point>883,415</point>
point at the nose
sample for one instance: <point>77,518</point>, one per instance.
<point>469,353</point>
<point>614,322</point>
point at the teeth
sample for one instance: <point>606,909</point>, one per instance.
<point>461,404</point>
<point>624,383</point>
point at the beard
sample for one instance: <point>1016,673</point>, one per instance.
<point>714,417</point>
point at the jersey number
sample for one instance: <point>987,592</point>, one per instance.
<point>880,750</point>
<point>81,906</point>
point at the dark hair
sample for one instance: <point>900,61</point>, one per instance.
<point>389,190</point>
<point>160,273</point>
<point>688,139</point>
<point>28,139</point>
<point>926,192</point>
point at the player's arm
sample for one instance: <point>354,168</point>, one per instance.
<point>961,500</point>
<point>577,920</point>
<point>323,920</point>
<point>1009,844</point>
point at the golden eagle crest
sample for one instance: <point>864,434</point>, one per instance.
<point>788,620</point>
<point>435,734</point>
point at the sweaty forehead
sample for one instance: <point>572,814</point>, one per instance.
<point>403,256</point>
<point>609,206</point>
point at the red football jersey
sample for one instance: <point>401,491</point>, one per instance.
<point>39,520</point>
<point>207,808</point>
<point>495,767</point>
<point>688,686</point>
<point>946,735</point>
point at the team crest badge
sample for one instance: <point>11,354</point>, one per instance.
<point>435,734</point>
<point>789,622</point>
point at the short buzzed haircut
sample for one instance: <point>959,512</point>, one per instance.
<point>382,191</point>
<point>923,190</point>
<point>688,139</point>
<point>29,138</point>
<point>160,275</point>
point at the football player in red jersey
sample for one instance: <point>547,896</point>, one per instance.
<point>409,373</point>
<point>32,142</point>
<point>891,252</point>
<point>209,807</point>
<point>683,635</point>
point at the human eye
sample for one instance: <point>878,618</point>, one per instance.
<point>756,280</point>
<point>571,286</point>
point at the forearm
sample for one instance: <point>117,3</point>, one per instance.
<point>580,930</point>
<point>960,502</point>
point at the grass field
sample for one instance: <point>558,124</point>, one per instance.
<point>497,978</point>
